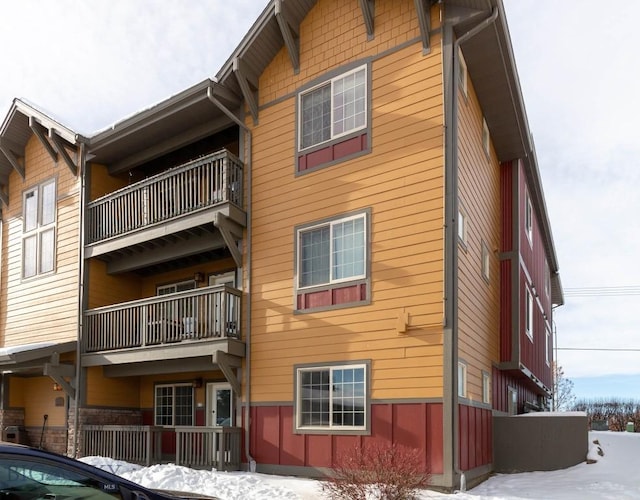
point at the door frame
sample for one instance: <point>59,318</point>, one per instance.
<point>211,402</point>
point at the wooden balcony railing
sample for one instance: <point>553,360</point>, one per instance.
<point>196,447</point>
<point>209,312</point>
<point>205,182</point>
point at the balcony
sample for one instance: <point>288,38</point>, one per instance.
<point>187,202</point>
<point>190,324</point>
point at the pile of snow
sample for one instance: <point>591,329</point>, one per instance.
<point>614,475</point>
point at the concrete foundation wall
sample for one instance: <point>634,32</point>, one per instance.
<point>538,442</point>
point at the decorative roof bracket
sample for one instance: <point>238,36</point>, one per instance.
<point>39,132</point>
<point>290,35</point>
<point>58,372</point>
<point>368,7</point>
<point>246,80</point>
<point>424,21</point>
<point>231,232</point>
<point>59,148</point>
<point>9,148</point>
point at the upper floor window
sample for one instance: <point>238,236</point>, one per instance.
<point>528,313</point>
<point>462,73</point>
<point>485,261</point>
<point>334,108</point>
<point>486,387</point>
<point>528,218</point>
<point>486,138</point>
<point>332,397</point>
<point>463,223</point>
<point>547,278</point>
<point>39,229</point>
<point>332,252</point>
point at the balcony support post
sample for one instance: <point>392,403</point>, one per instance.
<point>227,363</point>
<point>231,232</point>
<point>58,372</point>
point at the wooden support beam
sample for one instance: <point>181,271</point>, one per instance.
<point>231,233</point>
<point>368,8</point>
<point>290,35</point>
<point>58,372</point>
<point>39,132</point>
<point>8,150</point>
<point>60,149</point>
<point>246,81</point>
<point>227,362</point>
<point>424,21</point>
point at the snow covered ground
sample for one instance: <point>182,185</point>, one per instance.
<point>614,476</point>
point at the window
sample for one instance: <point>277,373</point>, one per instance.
<point>486,262</point>
<point>462,73</point>
<point>333,109</point>
<point>332,397</point>
<point>547,347</point>
<point>528,218</point>
<point>462,379</point>
<point>462,226</point>
<point>528,314</point>
<point>486,138</point>
<point>39,229</point>
<point>486,388</point>
<point>174,405</point>
<point>333,252</point>
<point>512,401</point>
<point>547,278</point>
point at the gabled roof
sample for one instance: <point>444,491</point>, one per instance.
<point>23,120</point>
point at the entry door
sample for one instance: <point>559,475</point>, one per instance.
<point>220,411</point>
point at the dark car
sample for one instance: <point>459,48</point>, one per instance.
<point>29,473</point>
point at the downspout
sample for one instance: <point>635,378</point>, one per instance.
<point>453,476</point>
<point>81,300</point>
<point>247,276</point>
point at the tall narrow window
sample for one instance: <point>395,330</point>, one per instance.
<point>334,108</point>
<point>528,313</point>
<point>462,73</point>
<point>39,229</point>
<point>462,379</point>
<point>486,388</point>
<point>486,138</point>
<point>547,347</point>
<point>512,401</point>
<point>528,218</point>
<point>485,261</point>
<point>462,226</point>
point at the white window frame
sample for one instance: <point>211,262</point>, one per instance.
<point>173,405</point>
<point>486,387</point>
<point>547,347</point>
<point>463,223</point>
<point>462,73</point>
<point>485,261</point>
<point>486,137</point>
<point>462,379</point>
<point>547,278</point>
<point>331,224</point>
<point>512,400</point>
<point>331,82</point>
<point>528,218</point>
<point>528,313</point>
<point>331,426</point>
<point>40,229</point>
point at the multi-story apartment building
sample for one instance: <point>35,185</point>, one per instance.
<point>342,239</point>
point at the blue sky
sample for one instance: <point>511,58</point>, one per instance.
<point>92,63</point>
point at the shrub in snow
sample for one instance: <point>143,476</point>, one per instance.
<point>377,472</point>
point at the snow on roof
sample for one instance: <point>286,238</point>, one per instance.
<point>8,351</point>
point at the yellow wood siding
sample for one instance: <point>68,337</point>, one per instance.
<point>118,392</point>
<point>44,308</point>
<point>37,397</point>
<point>479,195</point>
<point>401,181</point>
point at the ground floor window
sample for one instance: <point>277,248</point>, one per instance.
<point>332,397</point>
<point>174,405</point>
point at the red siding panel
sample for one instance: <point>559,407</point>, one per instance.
<point>332,152</point>
<point>338,295</point>
<point>412,425</point>
<point>475,437</point>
